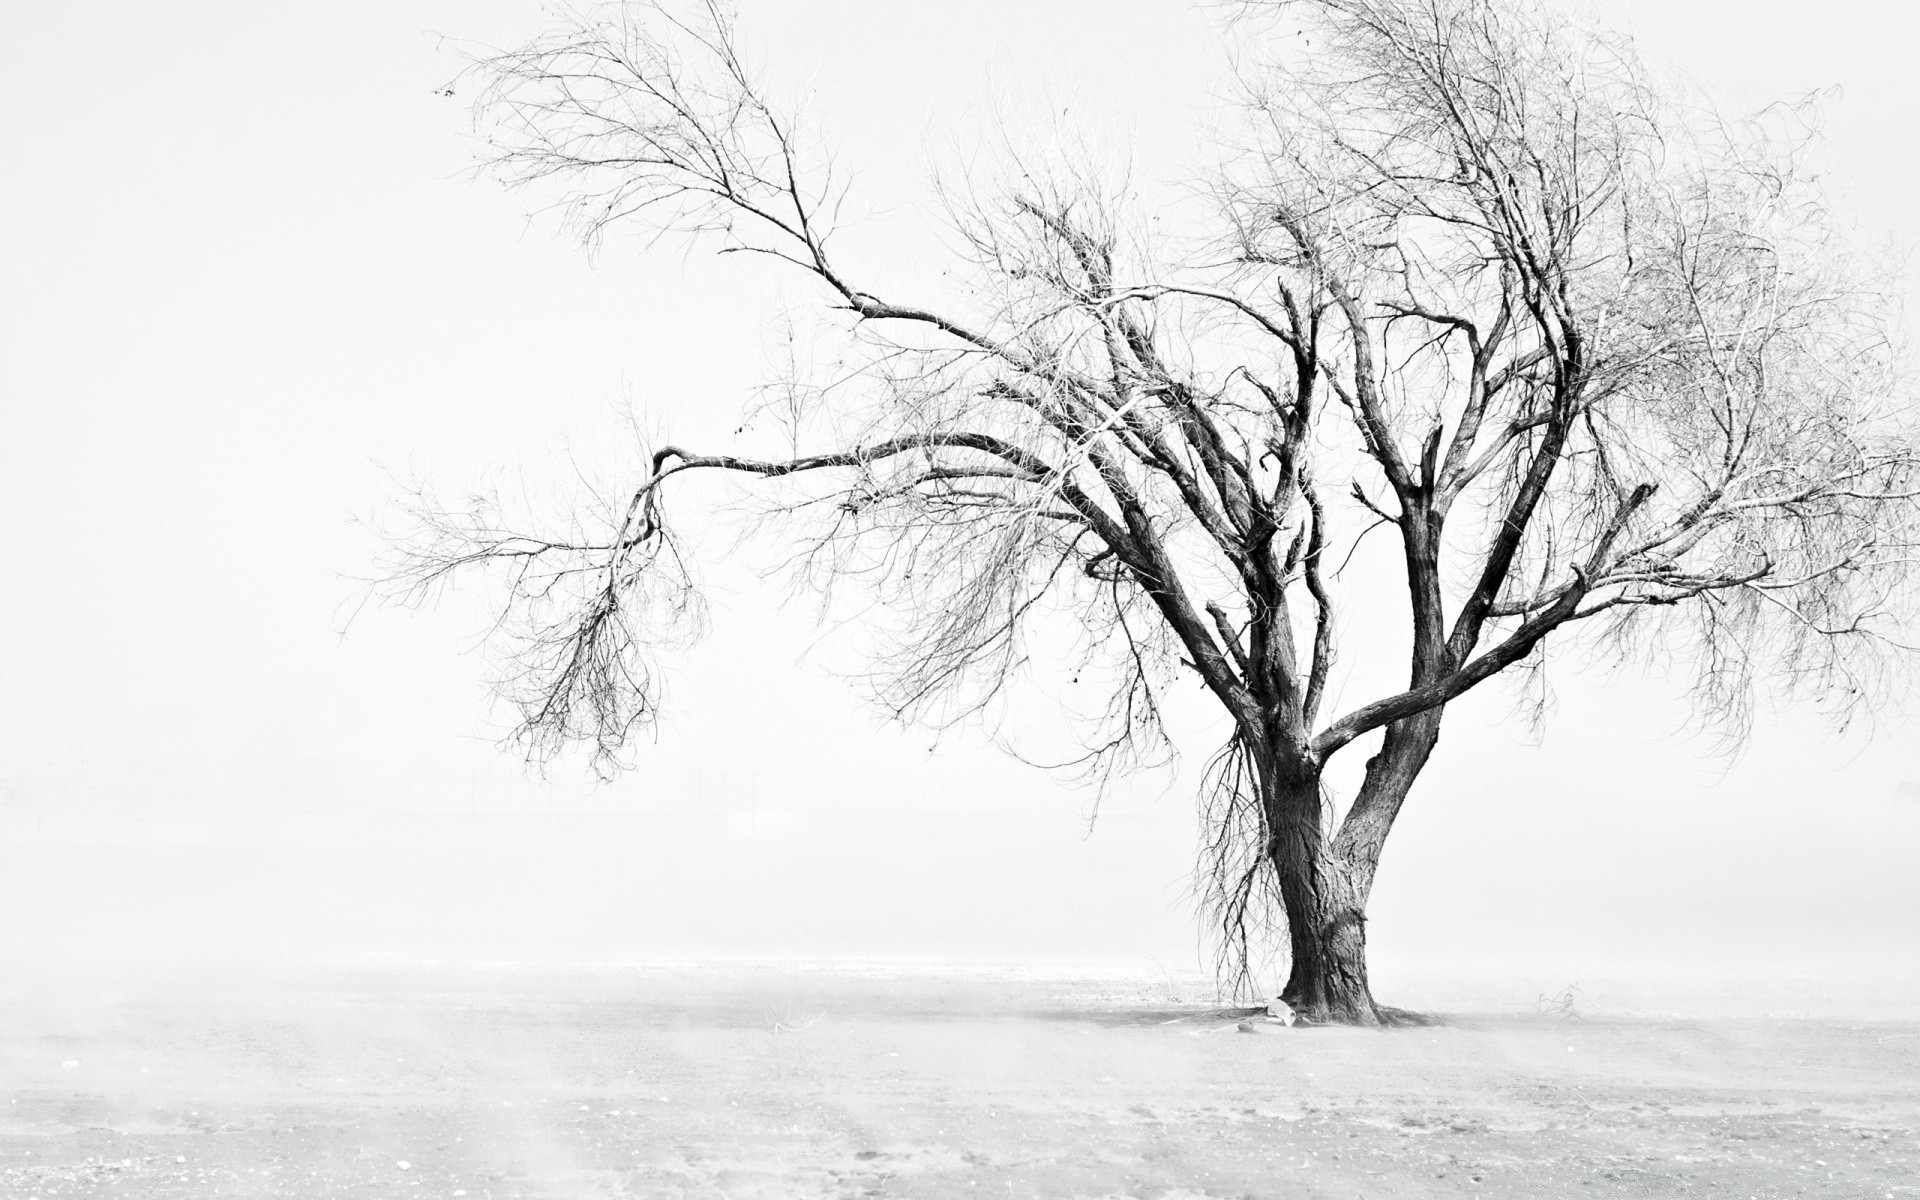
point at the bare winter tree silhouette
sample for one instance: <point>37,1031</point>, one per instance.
<point>1602,366</point>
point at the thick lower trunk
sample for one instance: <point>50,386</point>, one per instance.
<point>1327,934</point>
<point>1324,885</point>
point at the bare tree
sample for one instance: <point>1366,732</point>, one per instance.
<point>1599,363</point>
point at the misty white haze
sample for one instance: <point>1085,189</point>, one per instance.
<point>282,915</point>
<point>252,289</point>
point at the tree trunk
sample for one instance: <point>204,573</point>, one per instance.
<point>1326,922</point>
<point>1324,885</point>
<point>1327,983</point>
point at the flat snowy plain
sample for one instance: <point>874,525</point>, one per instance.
<point>919,1080</point>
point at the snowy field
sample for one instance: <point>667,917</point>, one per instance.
<point>918,1080</point>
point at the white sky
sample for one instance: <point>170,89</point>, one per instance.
<point>246,282</point>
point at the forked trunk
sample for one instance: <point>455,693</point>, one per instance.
<point>1326,906</point>
<point>1324,887</point>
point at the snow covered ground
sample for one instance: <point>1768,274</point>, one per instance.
<point>932,1080</point>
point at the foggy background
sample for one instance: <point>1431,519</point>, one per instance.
<point>248,287</point>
